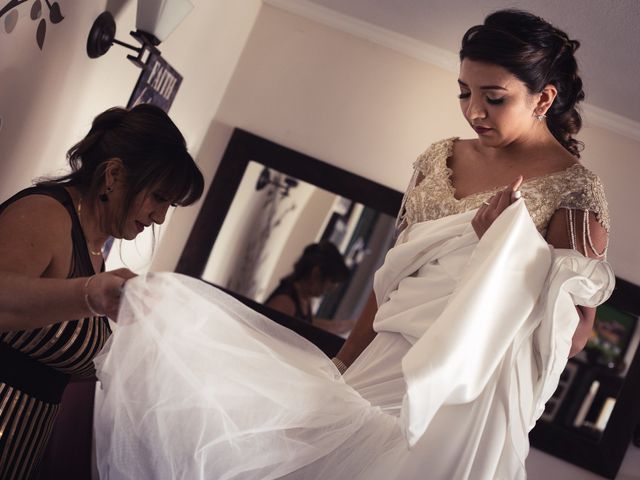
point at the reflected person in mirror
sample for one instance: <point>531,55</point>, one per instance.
<point>55,296</point>
<point>319,270</point>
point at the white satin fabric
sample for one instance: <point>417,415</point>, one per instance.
<point>473,337</point>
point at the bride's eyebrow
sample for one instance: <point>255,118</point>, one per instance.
<point>484,87</point>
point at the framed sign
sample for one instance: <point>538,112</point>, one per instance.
<point>158,83</point>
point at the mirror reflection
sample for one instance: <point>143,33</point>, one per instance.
<point>591,382</point>
<point>299,248</point>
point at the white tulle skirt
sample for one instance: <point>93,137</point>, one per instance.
<point>195,385</point>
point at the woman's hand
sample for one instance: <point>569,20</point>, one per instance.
<point>103,291</point>
<point>492,208</point>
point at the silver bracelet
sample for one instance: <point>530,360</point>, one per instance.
<point>340,365</point>
<point>86,297</point>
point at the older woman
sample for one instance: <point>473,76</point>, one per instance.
<point>54,294</point>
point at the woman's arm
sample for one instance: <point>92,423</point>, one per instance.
<point>559,235</point>
<point>27,302</point>
<point>34,235</point>
<point>361,335</point>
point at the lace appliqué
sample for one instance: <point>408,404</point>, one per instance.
<point>431,194</point>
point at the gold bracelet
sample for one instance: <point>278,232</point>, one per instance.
<point>86,297</point>
<point>340,365</point>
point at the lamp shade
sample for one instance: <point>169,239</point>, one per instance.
<point>161,17</point>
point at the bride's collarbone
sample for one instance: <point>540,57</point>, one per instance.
<point>471,172</point>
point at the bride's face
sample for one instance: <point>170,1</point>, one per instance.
<point>497,105</point>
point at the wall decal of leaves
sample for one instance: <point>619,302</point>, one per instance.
<point>55,15</point>
<point>10,21</point>
<point>41,32</point>
<point>12,16</point>
<point>36,10</point>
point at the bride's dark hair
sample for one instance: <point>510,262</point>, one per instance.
<point>538,54</point>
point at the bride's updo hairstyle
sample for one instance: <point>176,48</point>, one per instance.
<point>537,54</point>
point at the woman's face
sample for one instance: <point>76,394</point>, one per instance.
<point>317,284</point>
<point>497,105</point>
<point>148,207</point>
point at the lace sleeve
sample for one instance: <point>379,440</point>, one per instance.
<point>419,174</point>
<point>582,203</point>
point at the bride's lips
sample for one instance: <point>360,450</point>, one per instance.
<point>482,130</point>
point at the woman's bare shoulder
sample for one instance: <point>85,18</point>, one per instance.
<point>283,303</point>
<point>36,210</point>
<point>34,231</point>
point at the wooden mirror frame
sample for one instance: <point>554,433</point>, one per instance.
<point>244,147</point>
<point>603,457</point>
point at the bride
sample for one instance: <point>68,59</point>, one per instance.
<point>486,293</point>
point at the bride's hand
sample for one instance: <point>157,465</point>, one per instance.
<point>493,207</point>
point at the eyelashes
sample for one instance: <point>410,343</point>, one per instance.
<point>490,101</point>
<point>160,199</point>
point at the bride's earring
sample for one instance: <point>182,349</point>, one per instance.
<point>539,116</point>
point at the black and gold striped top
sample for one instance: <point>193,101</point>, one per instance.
<point>35,365</point>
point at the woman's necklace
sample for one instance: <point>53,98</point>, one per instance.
<point>98,253</point>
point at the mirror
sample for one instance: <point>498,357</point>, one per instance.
<point>272,202</point>
<point>271,220</point>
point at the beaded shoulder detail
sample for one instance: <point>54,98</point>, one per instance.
<point>430,194</point>
<point>587,194</point>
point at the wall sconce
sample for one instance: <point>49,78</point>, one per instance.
<point>265,179</point>
<point>155,20</point>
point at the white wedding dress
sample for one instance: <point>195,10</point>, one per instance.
<point>473,336</point>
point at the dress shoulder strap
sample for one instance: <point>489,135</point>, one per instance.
<point>585,192</point>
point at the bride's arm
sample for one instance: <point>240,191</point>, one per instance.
<point>361,335</point>
<point>559,236</point>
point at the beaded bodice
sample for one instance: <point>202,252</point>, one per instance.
<point>431,194</point>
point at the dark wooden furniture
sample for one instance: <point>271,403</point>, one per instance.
<point>603,453</point>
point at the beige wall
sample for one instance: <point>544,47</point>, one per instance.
<point>615,159</point>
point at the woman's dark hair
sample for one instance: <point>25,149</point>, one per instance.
<point>326,257</point>
<point>152,150</point>
<point>538,54</point>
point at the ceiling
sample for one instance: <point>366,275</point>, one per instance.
<point>609,31</point>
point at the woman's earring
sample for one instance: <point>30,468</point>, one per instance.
<point>103,196</point>
<point>540,116</point>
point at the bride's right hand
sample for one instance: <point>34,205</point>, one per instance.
<point>493,207</point>
<point>103,291</point>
